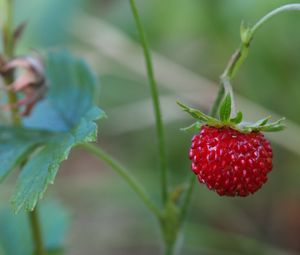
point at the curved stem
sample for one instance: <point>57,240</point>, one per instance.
<point>155,100</point>
<point>16,119</point>
<point>36,232</point>
<point>240,55</point>
<point>125,174</point>
<point>284,8</point>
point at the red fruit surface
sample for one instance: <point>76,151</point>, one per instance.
<point>230,162</point>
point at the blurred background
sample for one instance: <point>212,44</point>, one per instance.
<point>192,41</point>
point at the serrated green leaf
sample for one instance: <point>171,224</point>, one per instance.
<point>15,145</point>
<point>15,232</point>
<point>41,169</point>
<point>68,117</point>
<point>238,118</point>
<point>225,109</point>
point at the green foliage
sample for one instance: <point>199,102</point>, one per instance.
<point>235,123</point>
<point>42,167</point>
<point>16,145</point>
<point>69,105</point>
<point>15,233</point>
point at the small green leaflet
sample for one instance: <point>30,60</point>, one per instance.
<point>225,109</point>
<point>41,169</point>
<point>63,120</point>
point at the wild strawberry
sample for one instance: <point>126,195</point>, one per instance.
<point>230,162</point>
<point>230,156</point>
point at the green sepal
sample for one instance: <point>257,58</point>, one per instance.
<point>238,118</point>
<point>200,116</point>
<point>236,123</point>
<point>225,109</point>
<point>262,126</point>
<point>195,127</point>
<point>263,122</point>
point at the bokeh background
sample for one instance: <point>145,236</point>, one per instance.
<point>192,41</point>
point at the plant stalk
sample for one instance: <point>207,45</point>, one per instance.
<point>155,101</point>
<point>125,174</point>
<point>240,55</point>
<point>36,232</point>
<point>9,52</point>
<point>15,117</point>
<point>169,250</point>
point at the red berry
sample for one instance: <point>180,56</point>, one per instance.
<point>230,162</point>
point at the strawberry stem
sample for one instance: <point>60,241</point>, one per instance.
<point>36,232</point>
<point>268,16</point>
<point>240,55</point>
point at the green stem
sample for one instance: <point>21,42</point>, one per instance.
<point>217,102</point>
<point>8,29</point>
<point>187,199</point>
<point>156,103</point>
<point>125,174</point>
<point>15,117</point>
<point>169,250</point>
<point>9,52</point>
<point>284,8</point>
<point>36,232</point>
<point>240,55</point>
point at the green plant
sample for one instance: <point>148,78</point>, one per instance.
<point>66,118</point>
